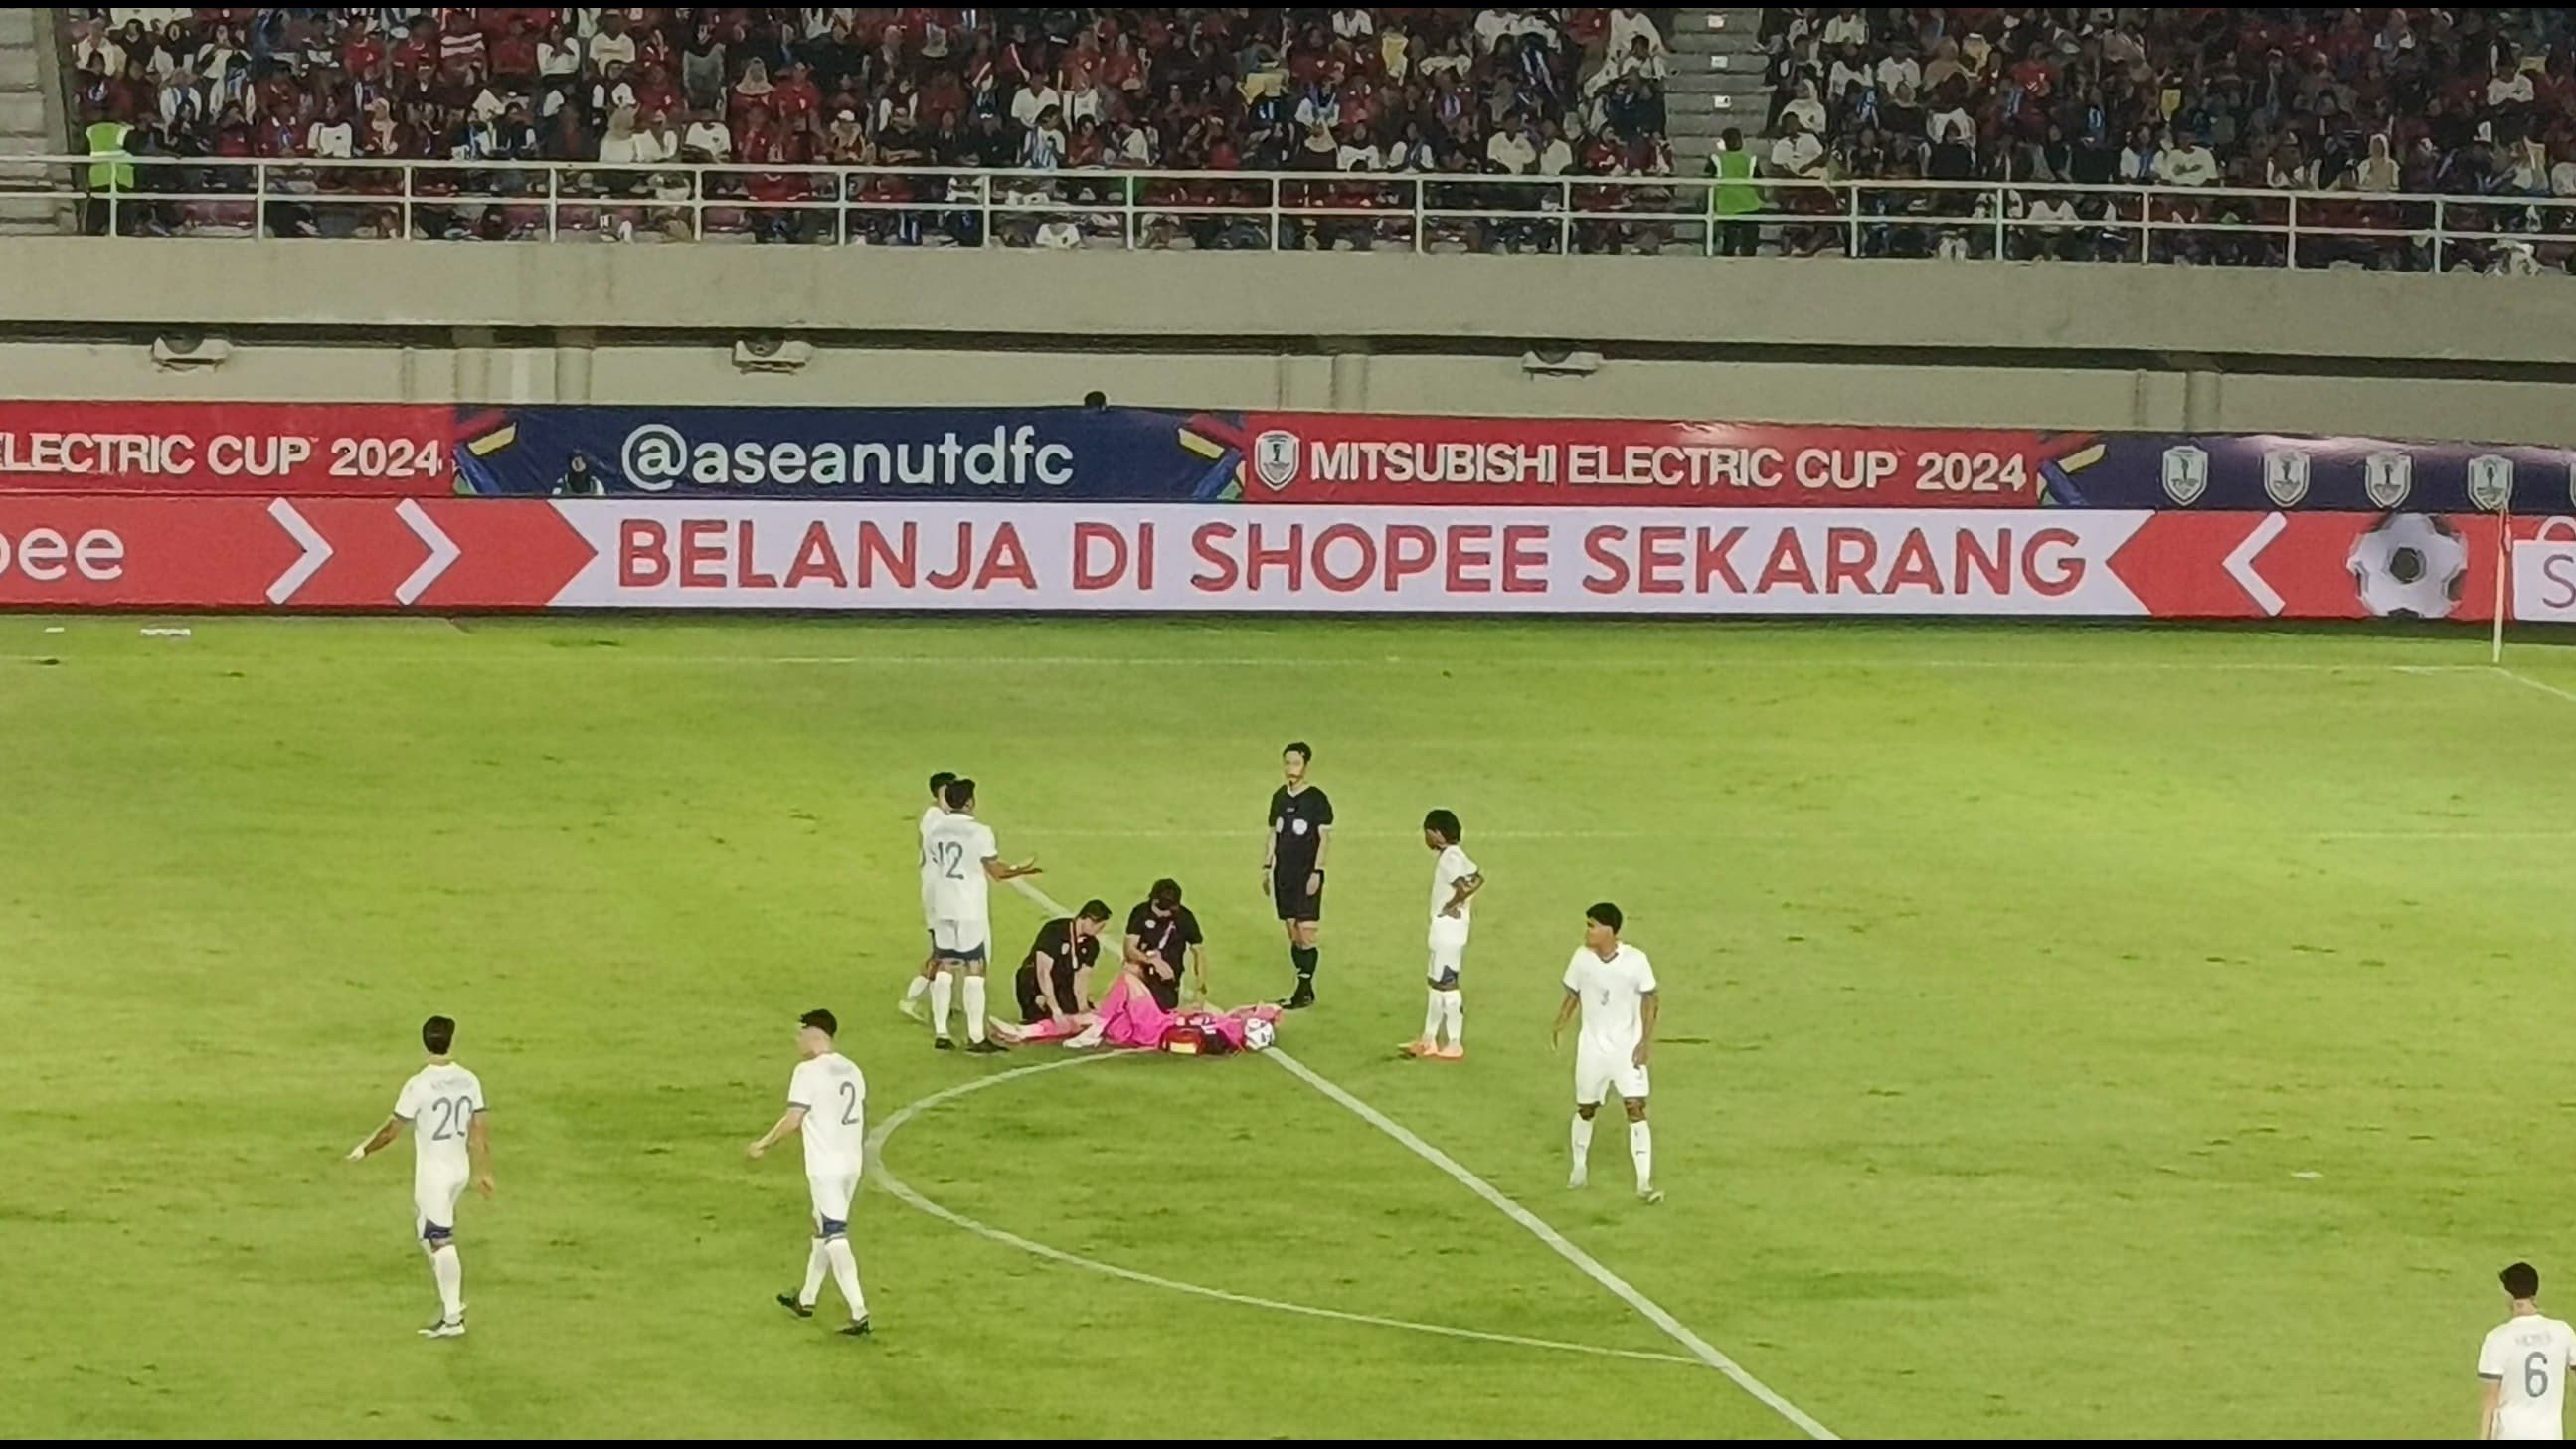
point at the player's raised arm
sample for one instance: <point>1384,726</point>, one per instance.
<point>383,1139</point>
<point>478,1146</point>
<point>788,1121</point>
<point>995,870</point>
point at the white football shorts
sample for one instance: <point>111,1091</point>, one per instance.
<point>1598,1073</point>
<point>959,939</point>
<point>433,1199</point>
<point>831,1193</point>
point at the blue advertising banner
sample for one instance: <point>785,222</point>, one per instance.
<point>896,454</point>
<point>2251,472</point>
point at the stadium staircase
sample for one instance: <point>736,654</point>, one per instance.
<point>1716,81</point>
<point>31,122</point>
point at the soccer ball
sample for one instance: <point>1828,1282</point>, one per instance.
<point>1259,1033</point>
<point>2410,565</point>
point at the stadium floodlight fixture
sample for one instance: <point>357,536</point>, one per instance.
<point>1561,361</point>
<point>769,352</point>
<point>190,349</point>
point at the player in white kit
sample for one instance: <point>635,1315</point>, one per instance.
<point>443,1105</point>
<point>1613,985</point>
<point>964,862</point>
<point>1454,883</point>
<point>2522,1366</point>
<point>827,1102</point>
<point>920,983</point>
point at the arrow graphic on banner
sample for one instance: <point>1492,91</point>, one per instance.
<point>2239,563</point>
<point>317,551</point>
<point>442,552</point>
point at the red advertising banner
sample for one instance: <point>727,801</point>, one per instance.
<point>262,449</point>
<point>1378,459</point>
<point>524,554</point>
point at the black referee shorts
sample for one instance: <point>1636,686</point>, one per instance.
<point>1289,894</point>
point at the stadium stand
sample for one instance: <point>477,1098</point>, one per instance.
<point>2464,102</point>
<point>1554,91</point>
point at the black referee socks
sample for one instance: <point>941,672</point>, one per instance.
<point>1304,958</point>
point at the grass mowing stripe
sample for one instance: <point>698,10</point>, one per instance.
<point>1590,1266</point>
<point>885,1178</point>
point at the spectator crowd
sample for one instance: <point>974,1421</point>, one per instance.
<point>2475,103</point>
<point>1417,91</point>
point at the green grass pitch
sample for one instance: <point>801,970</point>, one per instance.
<point>2068,1031</point>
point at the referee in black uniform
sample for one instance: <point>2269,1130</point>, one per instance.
<point>1292,864</point>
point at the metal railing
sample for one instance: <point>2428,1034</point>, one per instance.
<point>1421,212</point>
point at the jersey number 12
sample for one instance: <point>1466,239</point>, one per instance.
<point>948,855</point>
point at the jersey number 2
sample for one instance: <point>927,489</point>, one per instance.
<point>849,1104</point>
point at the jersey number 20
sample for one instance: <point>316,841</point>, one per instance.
<point>452,1113</point>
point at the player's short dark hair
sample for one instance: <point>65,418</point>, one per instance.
<point>2520,1281</point>
<point>939,783</point>
<point>958,793</point>
<point>1607,914</point>
<point>1444,823</point>
<point>1301,750</point>
<point>1734,138</point>
<point>438,1034</point>
<point>1166,892</point>
<point>822,1021</point>
<point>1094,909</point>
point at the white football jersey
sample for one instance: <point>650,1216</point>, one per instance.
<point>2528,1356</point>
<point>929,818</point>
<point>440,1102</point>
<point>1614,994</point>
<point>957,847</point>
<point>1452,867</point>
<point>835,1098</point>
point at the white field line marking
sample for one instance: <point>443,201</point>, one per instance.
<point>884,1178</point>
<point>1591,1267</point>
<point>2520,678</point>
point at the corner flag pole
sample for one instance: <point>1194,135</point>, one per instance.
<point>2504,578</point>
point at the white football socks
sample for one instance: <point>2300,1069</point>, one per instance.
<point>914,989</point>
<point>817,1263</point>
<point>845,1272</point>
<point>1641,1150</point>
<point>974,1009</point>
<point>1431,1015</point>
<point>943,990</point>
<point>1454,1007</point>
<point>450,1273</point>
<point>1582,1145</point>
